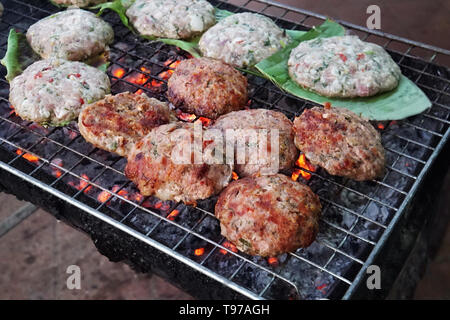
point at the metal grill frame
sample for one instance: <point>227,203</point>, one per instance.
<point>305,23</point>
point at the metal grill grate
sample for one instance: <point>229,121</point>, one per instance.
<point>357,217</point>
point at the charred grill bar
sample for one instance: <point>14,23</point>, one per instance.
<point>84,186</point>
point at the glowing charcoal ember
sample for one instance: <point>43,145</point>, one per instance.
<point>28,156</point>
<point>103,196</point>
<point>140,91</point>
<point>147,204</point>
<point>295,174</point>
<point>138,197</point>
<point>303,163</point>
<point>380,126</point>
<point>165,75</point>
<point>206,122</point>
<point>229,246</point>
<point>141,79</point>
<point>57,163</point>
<point>173,215</point>
<point>107,195</point>
<point>273,261</point>
<point>199,251</point>
<point>123,194</point>
<point>118,72</point>
<point>322,288</point>
<point>57,173</point>
<point>172,64</point>
<point>188,117</point>
<point>155,83</point>
<point>137,78</point>
<point>234,175</point>
<point>83,184</point>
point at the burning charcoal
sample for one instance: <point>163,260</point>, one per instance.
<point>280,289</point>
<point>223,264</point>
<point>167,234</point>
<point>317,253</point>
<point>141,221</point>
<point>253,278</point>
<point>209,228</point>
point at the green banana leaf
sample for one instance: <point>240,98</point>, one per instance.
<point>18,56</point>
<point>404,101</point>
<point>118,6</point>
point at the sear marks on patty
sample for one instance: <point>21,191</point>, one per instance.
<point>207,87</point>
<point>52,92</point>
<point>262,122</point>
<point>163,164</point>
<point>268,215</point>
<point>341,142</point>
<point>74,34</point>
<point>116,122</point>
<point>176,19</point>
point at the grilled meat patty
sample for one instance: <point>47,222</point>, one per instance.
<point>163,164</point>
<point>268,215</point>
<point>78,3</point>
<point>343,67</point>
<point>341,142</point>
<point>207,87</point>
<point>52,92</point>
<point>243,39</point>
<point>74,34</point>
<point>116,122</point>
<point>176,19</point>
<point>264,123</point>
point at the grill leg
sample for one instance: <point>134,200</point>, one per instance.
<point>16,218</point>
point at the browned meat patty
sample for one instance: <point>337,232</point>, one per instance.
<point>163,164</point>
<point>341,142</point>
<point>207,88</point>
<point>268,215</point>
<point>116,122</point>
<point>256,163</point>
